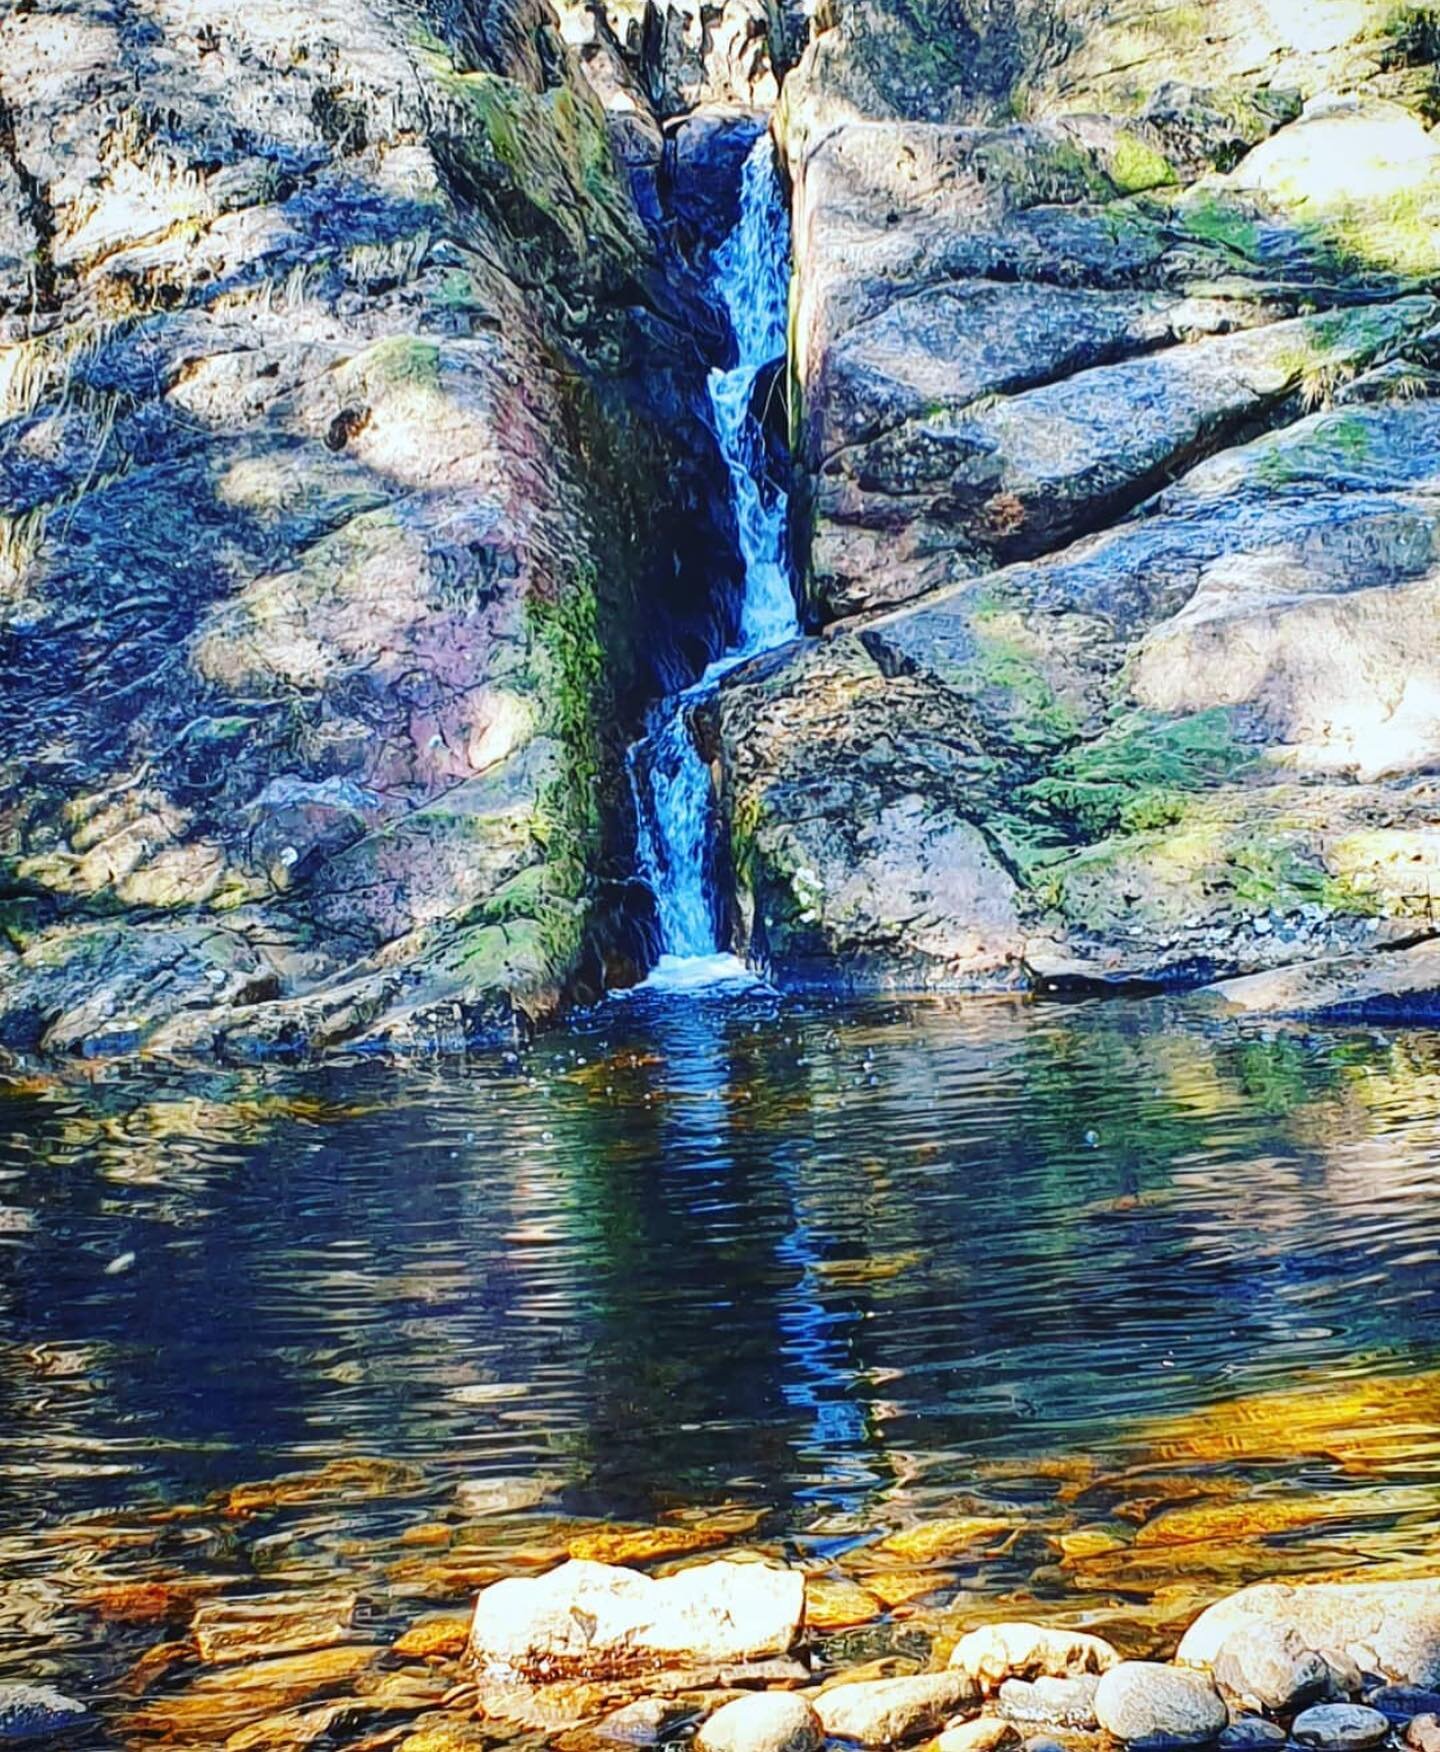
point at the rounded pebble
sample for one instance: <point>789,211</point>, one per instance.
<point>1147,1704</point>
<point>770,1721</point>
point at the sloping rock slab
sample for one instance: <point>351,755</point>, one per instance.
<point>1401,985</point>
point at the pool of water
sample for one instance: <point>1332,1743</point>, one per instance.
<point>1159,1300</point>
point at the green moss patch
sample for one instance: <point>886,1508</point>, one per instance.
<point>1137,776</point>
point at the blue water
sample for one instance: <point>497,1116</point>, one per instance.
<point>673,790</point>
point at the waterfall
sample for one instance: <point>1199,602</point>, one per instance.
<point>673,793</point>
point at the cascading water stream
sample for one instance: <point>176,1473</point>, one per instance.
<point>673,795</point>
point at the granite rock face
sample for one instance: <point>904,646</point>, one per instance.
<point>349,437</point>
<point>1114,368</point>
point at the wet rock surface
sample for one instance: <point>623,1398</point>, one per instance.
<point>1117,525</point>
<point>887,1712</point>
<point>1058,1703</point>
<point>1023,1650</point>
<point>1339,1727</point>
<point>350,412</point>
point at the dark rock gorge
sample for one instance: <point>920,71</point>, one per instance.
<point>358,499</point>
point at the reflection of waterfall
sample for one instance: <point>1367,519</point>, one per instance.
<point>673,796</point>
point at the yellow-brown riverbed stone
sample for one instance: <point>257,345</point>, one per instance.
<point>832,1603</point>
<point>434,1638</point>
<point>632,1545</point>
<point>946,1538</point>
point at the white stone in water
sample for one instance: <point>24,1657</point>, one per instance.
<point>1391,1629</point>
<point>1340,1727</point>
<point>1022,1650</point>
<point>884,1712</point>
<point>1148,1704</point>
<point>596,1619</point>
<point>643,1723</point>
<point>1054,1703</point>
<point>34,1712</point>
<point>984,1734</point>
<point>770,1721</point>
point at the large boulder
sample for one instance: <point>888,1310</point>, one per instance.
<point>1389,1629</point>
<point>592,1620</point>
<point>1268,1667</point>
<point>1192,747</point>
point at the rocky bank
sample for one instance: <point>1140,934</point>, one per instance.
<point>1113,354</point>
<point>353,474</point>
<point>358,499</point>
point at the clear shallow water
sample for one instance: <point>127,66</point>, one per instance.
<point>850,1268</point>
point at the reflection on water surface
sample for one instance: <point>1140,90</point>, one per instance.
<point>1100,1314</point>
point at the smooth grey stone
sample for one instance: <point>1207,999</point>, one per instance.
<point>1340,1727</point>
<point>1401,1702</point>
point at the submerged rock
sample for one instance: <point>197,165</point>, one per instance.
<point>645,1722</point>
<point>1150,1705</point>
<point>767,1722</point>
<point>258,1626</point>
<point>887,1712</point>
<point>834,1603</point>
<point>592,1619</point>
<point>434,1639</point>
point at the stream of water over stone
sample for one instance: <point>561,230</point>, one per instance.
<point>674,797</point>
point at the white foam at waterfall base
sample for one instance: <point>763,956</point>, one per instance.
<point>673,793</point>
